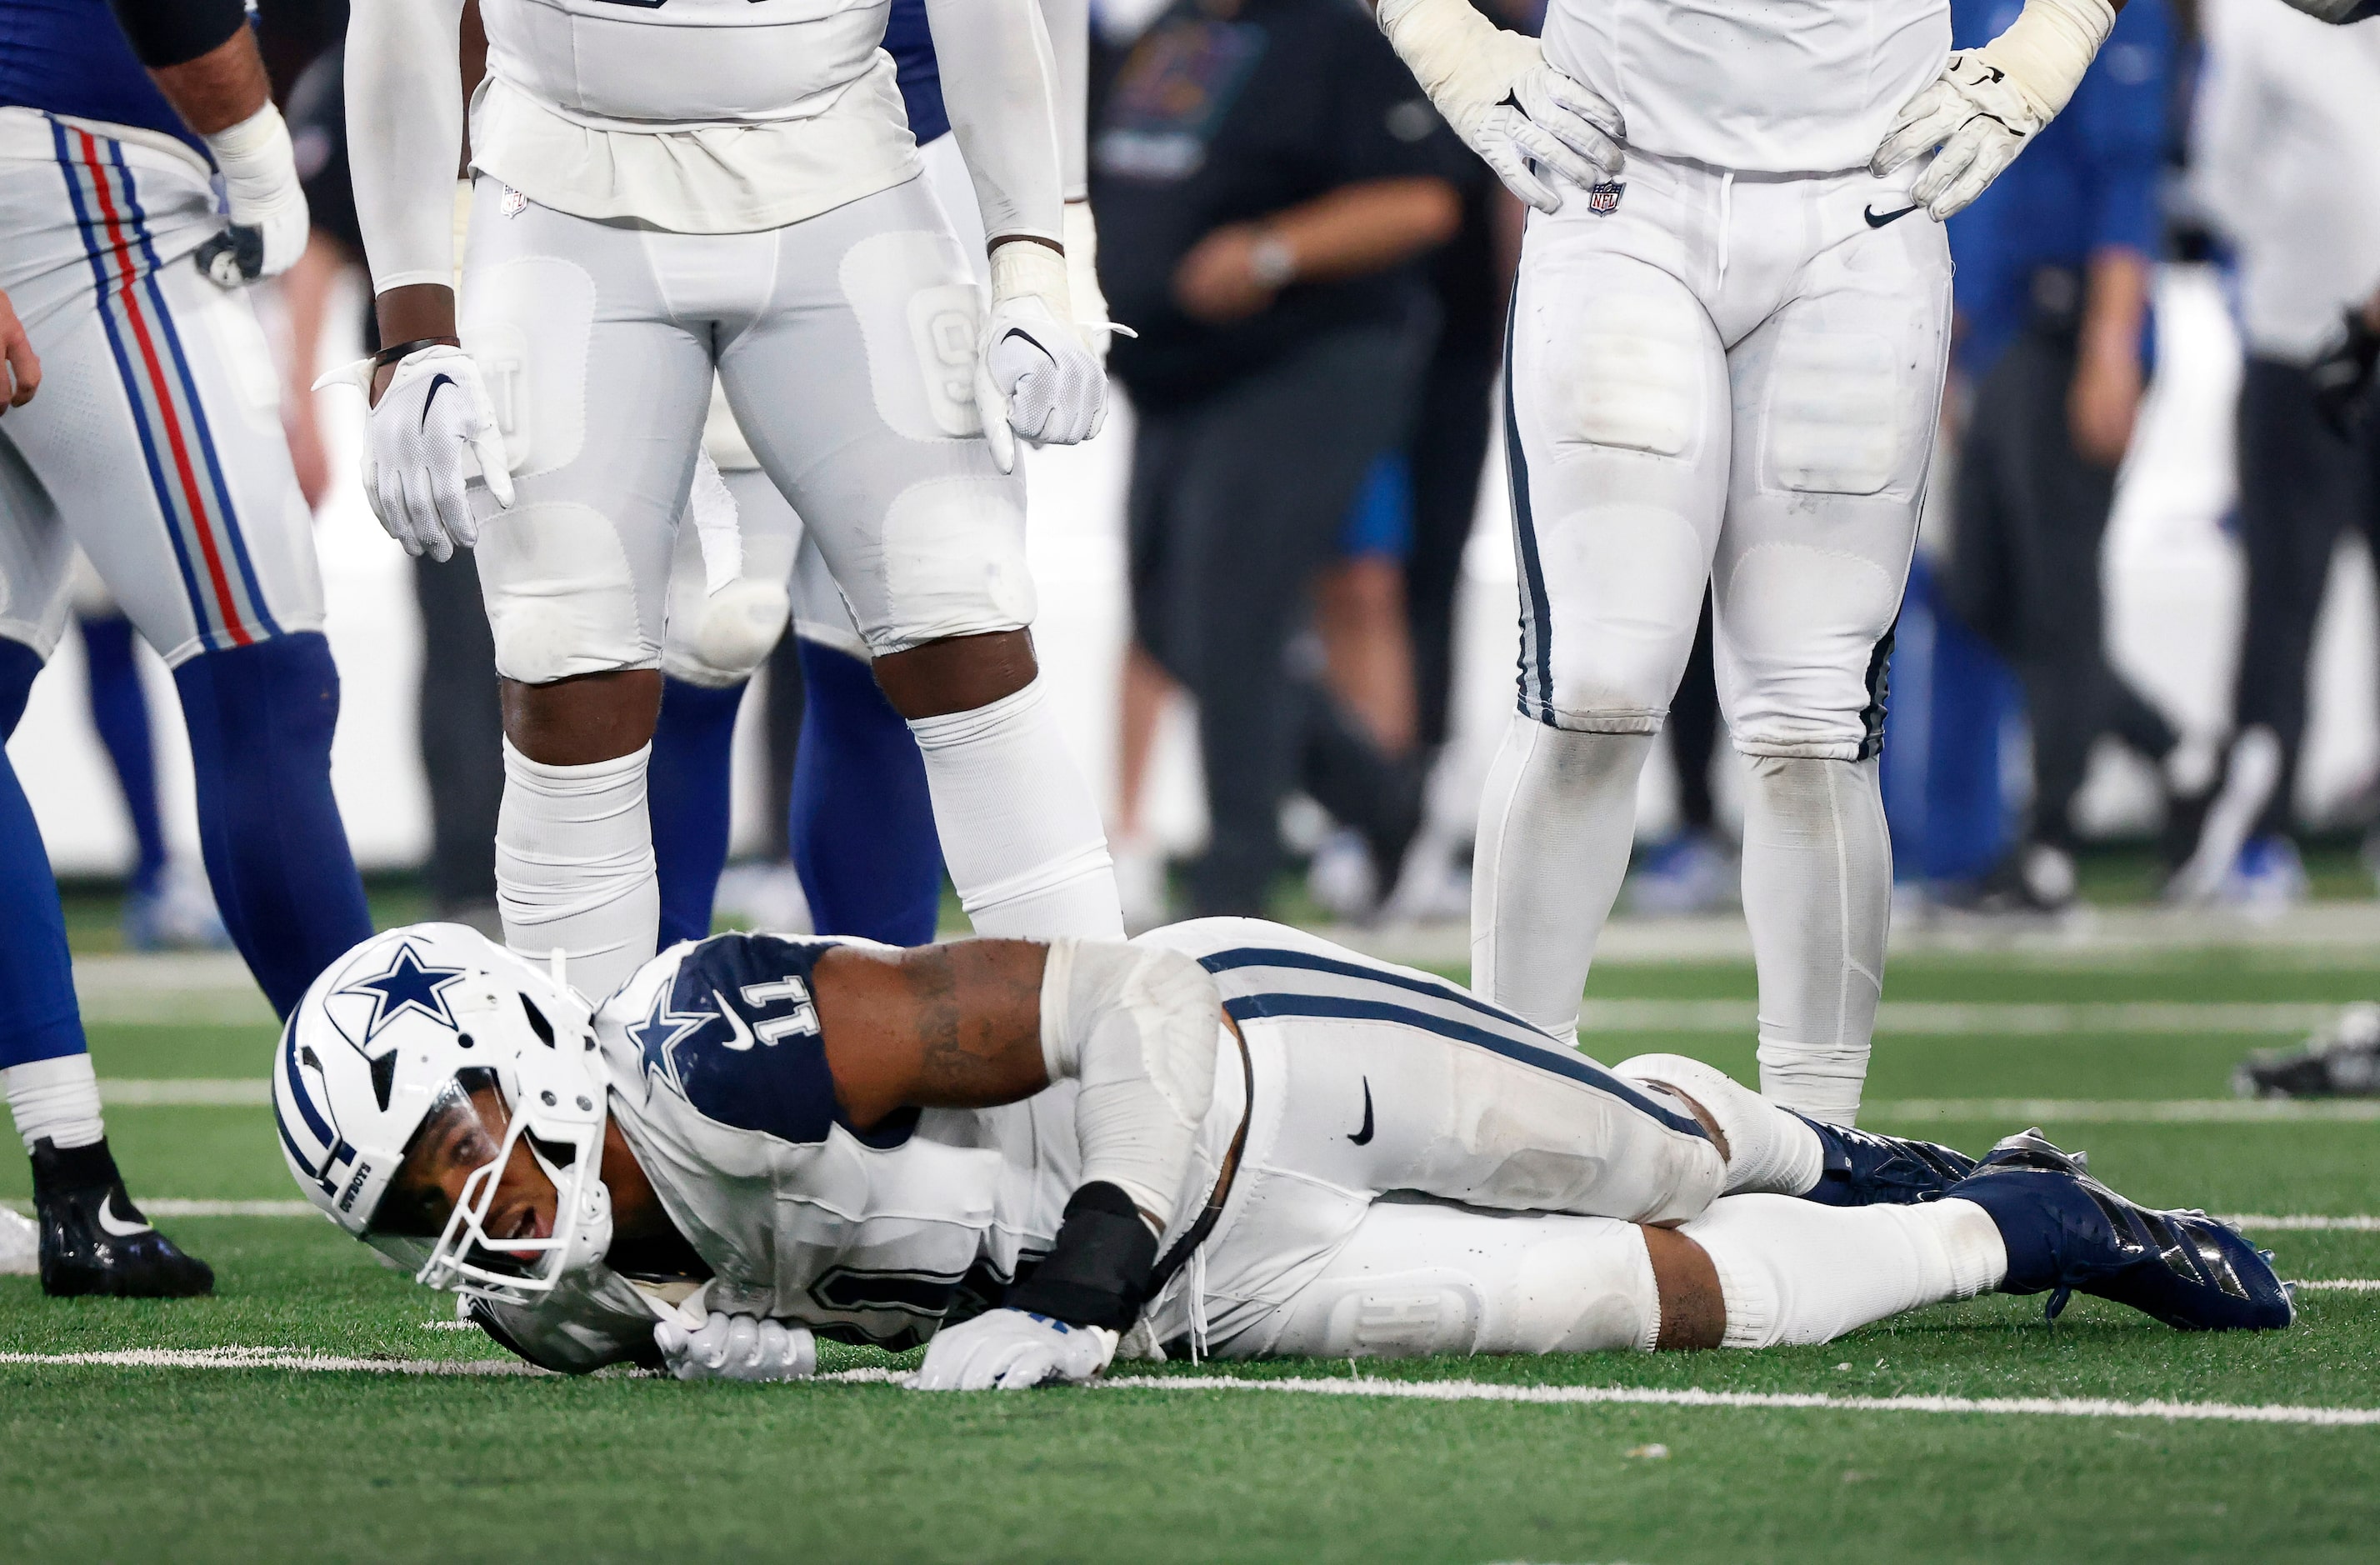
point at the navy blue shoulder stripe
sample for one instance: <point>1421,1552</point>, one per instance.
<point>1312,962</point>
<point>1546,1056</point>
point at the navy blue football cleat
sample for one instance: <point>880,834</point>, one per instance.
<point>2066,1232</point>
<point>1868,1170</point>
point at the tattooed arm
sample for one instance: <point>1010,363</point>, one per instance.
<point>943,1027</point>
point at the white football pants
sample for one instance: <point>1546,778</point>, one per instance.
<point>1727,381</point>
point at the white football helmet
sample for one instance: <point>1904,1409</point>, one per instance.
<point>402,1029</point>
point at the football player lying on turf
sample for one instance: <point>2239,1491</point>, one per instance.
<point>1228,1136</point>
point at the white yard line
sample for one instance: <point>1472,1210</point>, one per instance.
<point>1407,1390</point>
<point>2362,1223</point>
<point>2124,1110</point>
<point>2342,1285</point>
<point>1957,1018</point>
<point>192,1092</point>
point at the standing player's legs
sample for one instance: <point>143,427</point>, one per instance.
<point>45,1066</point>
<point>1835,397</point>
<point>158,437</point>
<point>851,386</point>
<point>1619,445</point>
<point>603,376</point>
<point>715,640</point>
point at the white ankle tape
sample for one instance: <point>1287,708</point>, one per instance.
<point>1797,1271</point>
<point>1769,1151</point>
<point>56,1100</point>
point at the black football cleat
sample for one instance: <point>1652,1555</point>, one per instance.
<point>2068,1233</point>
<point>2341,1061</point>
<point>1868,1170</point>
<point>95,1240</point>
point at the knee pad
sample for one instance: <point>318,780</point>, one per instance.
<point>562,597</point>
<point>734,630</point>
<point>1808,638</point>
<point>952,564</point>
<point>1417,1279</point>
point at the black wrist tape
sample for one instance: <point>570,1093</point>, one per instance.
<point>174,32</point>
<point>1097,1274</point>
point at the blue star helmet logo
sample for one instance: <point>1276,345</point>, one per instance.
<point>408,984</point>
<point>658,1036</point>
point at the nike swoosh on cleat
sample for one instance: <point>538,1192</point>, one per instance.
<point>1877,220</point>
<point>112,1224</point>
<point>1364,1136</point>
<point>438,382</point>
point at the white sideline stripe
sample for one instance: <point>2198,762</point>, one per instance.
<point>1410,1390</point>
<point>1954,1017</point>
<point>167,1207</point>
<point>246,1092</point>
<point>2343,1285</point>
<point>2129,1110</point>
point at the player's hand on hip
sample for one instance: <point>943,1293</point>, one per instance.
<point>432,413</point>
<point>268,205</point>
<point>1012,1350</point>
<point>1524,117</point>
<point>1977,120</point>
<point>1034,376</point>
<point>737,1347</point>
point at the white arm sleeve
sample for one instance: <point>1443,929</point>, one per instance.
<point>1069,25</point>
<point>405,136</point>
<point>1136,1026</point>
<point>997,85</point>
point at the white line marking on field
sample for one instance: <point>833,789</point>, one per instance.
<point>272,1358</point>
<point>123,1092</point>
<point>2128,1110</point>
<point>2343,1285</point>
<point>2364,1223</point>
<point>1960,1017</point>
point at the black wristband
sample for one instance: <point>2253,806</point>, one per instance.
<point>174,32</point>
<point>389,356</point>
<point>1096,1273</point>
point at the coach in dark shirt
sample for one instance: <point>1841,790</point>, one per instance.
<point>1263,172</point>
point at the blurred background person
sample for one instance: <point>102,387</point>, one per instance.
<point>2055,267</point>
<point>2287,169</point>
<point>1265,172</point>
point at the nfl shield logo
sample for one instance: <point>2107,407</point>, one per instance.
<point>1604,199</point>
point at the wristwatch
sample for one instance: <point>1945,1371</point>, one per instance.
<point>1272,261</point>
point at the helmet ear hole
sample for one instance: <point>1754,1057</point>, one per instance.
<point>537,1022</point>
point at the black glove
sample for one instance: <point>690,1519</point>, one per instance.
<point>2342,375</point>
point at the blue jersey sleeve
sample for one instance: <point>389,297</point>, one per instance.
<point>70,57</point>
<point>736,1034</point>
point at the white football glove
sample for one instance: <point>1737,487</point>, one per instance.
<point>1503,100</point>
<point>1033,376</point>
<point>268,206</point>
<point>1989,102</point>
<point>737,1347</point>
<point>435,409</point>
<point>1012,1350</point>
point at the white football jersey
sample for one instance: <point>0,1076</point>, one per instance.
<point>720,1083</point>
<point>703,116</point>
<point>1760,86</point>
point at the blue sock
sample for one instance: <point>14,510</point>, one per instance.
<point>260,719</point>
<point>861,826</point>
<point>119,709</point>
<point>39,1019</point>
<point>687,794</point>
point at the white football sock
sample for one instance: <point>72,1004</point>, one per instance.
<point>1769,1151</point>
<point>1795,1271</point>
<point>574,867</point>
<point>1555,821</point>
<point>1020,831</point>
<point>1817,894</point>
<point>56,1100</point>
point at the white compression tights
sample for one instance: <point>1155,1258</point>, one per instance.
<point>1555,823</point>
<point>1795,1271</point>
<point>1020,829</point>
<point>574,867</point>
<point>1817,894</point>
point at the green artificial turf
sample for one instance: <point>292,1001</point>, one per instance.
<point>247,1465</point>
